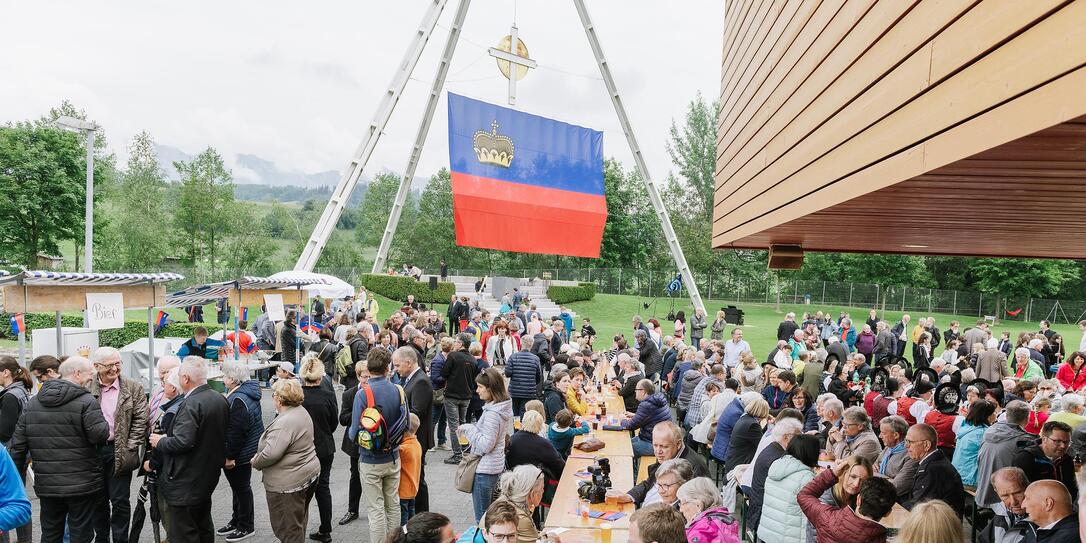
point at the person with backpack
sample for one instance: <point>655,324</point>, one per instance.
<point>378,422</point>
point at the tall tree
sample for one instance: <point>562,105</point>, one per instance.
<point>376,206</point>
<point>206,211</point>
<point>42,192</point>
<point>692,148</point>
<point>141,240</point>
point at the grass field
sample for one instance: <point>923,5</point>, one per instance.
<point>611,314</point>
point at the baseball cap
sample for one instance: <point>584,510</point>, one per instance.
<point>287,367</point>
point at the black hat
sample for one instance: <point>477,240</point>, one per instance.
<point>993,388</point>
<point>923,386</point>
<point>879,377</point>
<point>981,384</point>
<point>947,396</point>
<point>926,374</point>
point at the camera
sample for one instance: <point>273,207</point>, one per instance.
<point>595,491</point>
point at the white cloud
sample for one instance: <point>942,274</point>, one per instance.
<point>298,84</point>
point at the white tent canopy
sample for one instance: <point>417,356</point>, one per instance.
<point>335,287</point>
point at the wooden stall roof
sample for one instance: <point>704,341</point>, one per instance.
<point>66,291</point>
<point>245,291</point>
<point>903,127</point>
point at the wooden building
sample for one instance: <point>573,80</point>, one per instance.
<point>900,126</point>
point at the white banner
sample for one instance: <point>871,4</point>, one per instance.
<point>274,304</point>
<point>105,310</point>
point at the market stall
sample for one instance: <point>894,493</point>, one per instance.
<point>44,291</point>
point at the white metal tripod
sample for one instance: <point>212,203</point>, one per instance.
<point>330,216</point>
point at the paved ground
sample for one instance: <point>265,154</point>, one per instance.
<point>444,498</point>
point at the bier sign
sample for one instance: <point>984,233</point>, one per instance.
<point>105,310</point>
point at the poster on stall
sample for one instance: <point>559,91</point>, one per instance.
<point>105,310</point>
<point>274,304</point>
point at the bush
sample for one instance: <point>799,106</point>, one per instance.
<point>564,295</point>
<point>117,337</point>
<point>397,287</point>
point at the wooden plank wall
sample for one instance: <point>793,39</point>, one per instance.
<point>825,100</point>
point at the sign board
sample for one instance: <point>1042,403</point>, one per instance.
<point>105,310</point>
<point>274,304</point>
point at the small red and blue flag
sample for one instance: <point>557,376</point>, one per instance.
<point>18,325</point>
<point>525,183</point>
<point>161,320</point>
<point>245,314</point>
<point>310,326</point>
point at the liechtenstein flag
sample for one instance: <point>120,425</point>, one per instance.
<point>18,326</point>
<point>161,321</point>
<point>310,326</point>
<point>525,183</point>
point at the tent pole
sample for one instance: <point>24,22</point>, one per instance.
<point>60,337</point>
<point>151,362</point>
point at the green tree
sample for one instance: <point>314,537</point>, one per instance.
<point>1022,277</point>
<point>376,206</point>
<point>42,192</point>
<point>632,235</point>
<point>206,211</point>
<point>692,148</point>
<point>139,202</point>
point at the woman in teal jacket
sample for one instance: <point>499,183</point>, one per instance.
<point>782,520</point>
<point>981,415</point>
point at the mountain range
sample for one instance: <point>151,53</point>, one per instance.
<point>253,170</point>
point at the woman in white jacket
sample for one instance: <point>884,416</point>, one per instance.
<point>501,345</point>
<point>488,436</point>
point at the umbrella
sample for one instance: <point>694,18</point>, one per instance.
<point>146,493</point>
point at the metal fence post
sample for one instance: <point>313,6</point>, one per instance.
<point>710,295</point>
<point>1029,309</point>
<point>850,294</point>
<point>620,280</point>
<point>904,291</point>
<point>929,300</point>
<point>795,292</point>
<point>954,311</point>
<point>980,305</point>
<point>738,289</point>
<point>823,292</point>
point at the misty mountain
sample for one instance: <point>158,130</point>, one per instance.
<point>253,170</point>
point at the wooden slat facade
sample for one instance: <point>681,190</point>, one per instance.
<point>927,126</point>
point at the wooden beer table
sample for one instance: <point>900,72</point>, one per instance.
<point>616,443</point>
<point>563,513</point>
<point>591,535</point>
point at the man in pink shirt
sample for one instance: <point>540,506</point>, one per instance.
<point>124,406</point>
<point>165,364</point>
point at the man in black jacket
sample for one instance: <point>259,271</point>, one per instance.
<point>786,328</point>
<point>648,354</point>
<point>193,453</point>
<point>1049,459</point>
<point>936,478</point>
<point>667,444</point>
<point>61,428</point>
<point>525,375</point>
<point>1052,519</point>
<point>459,372</point>
<point>242,437</point>
<point>420,400</point>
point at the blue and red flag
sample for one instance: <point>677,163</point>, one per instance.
<point>525,183</point>
<point>18,325</point>
<point>245,314</point>
<point>310,326</point>
<point>161,320</point>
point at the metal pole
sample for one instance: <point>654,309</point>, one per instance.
<point>151,344</point>
<point>929,300</point>
<point>904,290</point>
<point>347,182</point>
<point>850,294</point>
<point>980,304</point>
<point>823,292</point>
<point>954,311</point>
<point>88,235</point>
<point>423,130</point>
<point>639,159</point>
<point>60,337</point>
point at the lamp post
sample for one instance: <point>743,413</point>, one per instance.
<point>88,129</point>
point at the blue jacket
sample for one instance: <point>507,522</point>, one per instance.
<point>563,439</point>
<point>210,348</point>
<point>246,422</point>
<point>389,401</point>
<point>775,397</point>
<point>724,427</point>
<point>850,339</point>
<point>650,412</point>
<point>966,451</point>
<point>14,507</point>
<point>677,378</point>
<point>525,373</point>
<point>436,380</point>
<point>567,320</point>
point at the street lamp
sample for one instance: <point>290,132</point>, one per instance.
<point>88,129</point>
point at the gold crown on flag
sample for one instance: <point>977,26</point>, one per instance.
<point>492,148</point>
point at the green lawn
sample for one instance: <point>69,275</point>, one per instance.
<point>611,314</point>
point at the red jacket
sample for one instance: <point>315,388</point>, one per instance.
<point>1070,379</point>
<point>836,524</point>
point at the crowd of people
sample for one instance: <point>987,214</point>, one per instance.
<point>820,441</point>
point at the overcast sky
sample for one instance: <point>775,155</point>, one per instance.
<point>296,83</point>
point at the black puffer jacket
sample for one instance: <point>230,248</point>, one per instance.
<point>62,428</point>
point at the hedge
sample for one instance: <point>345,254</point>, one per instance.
<point>564,295</point>
<point>117,337</point>
<point>397,287</point>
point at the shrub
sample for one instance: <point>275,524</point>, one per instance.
<point>117,337</point>
<point>397,287</point>
<point>564,295</point>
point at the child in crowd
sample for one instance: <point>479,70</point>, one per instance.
<point>561,434</point>
<point>1039,415</point>
<point>410,469</point>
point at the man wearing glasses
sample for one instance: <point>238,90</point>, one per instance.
<point>124,407</point>
<point>936,477</point>
<point>1049,459</point>
<point>500,523</point>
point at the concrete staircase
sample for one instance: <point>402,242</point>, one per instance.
<point>491,301</point>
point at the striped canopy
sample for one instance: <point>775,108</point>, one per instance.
<point>213,292</point>
<point>62,279</point>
